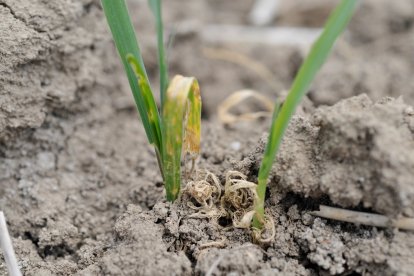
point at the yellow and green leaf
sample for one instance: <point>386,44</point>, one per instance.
<point>123,33</point>
<point>148,101</point>
<point>177,130</point>
<point>181,129</point>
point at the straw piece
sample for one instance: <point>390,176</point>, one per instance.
<point>225,115</point>
<point>363,218</point>
<point>245,61</point>
<point>7,247</point>
<point>275,36</point>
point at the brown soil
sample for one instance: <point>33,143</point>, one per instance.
<point>79,183</point>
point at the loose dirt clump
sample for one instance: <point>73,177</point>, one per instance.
<point>139,249</point>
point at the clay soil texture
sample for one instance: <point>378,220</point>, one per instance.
<point>79,184</point>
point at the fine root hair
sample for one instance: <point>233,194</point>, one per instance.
<point>204,193</point>
<point>238,199</point>
<point>267,233</point>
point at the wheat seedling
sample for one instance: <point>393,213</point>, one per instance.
<point>336,23</point>
<point>175,129</point>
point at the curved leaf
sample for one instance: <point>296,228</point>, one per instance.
<point>181,129</point>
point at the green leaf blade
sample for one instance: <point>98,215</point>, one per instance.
<point>336,23</point>
<point>126,43</point>
<point>148,101</point>
<point>162,58</point>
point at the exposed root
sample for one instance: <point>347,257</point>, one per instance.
<point>243,219</point>
<point>238,192</point>
<point>363,218</point>
<point>238,199</point>
<point>236,203</point>
<point>206,192</point>
<point>267,233</point>
<point>218,244</point>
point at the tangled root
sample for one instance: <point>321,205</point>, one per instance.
<point>242,219</point>
<point>219,244</point>
<point>206,192</point>
<point>237,202</point>
<point>238,199</point>
<point>267,233</point>
<point>238,192</point>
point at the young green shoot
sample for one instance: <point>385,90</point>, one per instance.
<point>336,23</point>
<point>162,59</point>
<point>177,126</point>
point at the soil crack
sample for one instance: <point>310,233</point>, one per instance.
<point>13,13</point>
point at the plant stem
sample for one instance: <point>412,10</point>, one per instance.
<point>265,167</point>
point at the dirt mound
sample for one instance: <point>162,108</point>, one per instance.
<point>303,245</point>
<point>51,54</point>
<point>140,249</point>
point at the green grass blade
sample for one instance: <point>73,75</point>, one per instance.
<point>123,33</point>
<point>337,21</point>
<point>181,129</point>
<point>148,100</point>
<point>162,59</point>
